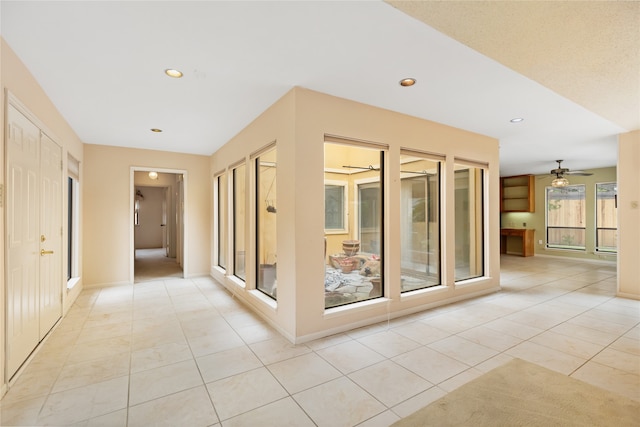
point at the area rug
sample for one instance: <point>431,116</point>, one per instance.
<point>520,393</point>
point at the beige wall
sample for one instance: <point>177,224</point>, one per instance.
<point>537,219</point>
<point>629,215</point>
<point>275,124</point>
<point>15,78</point>
<point>148,232</point>
<point>108,206</point>
<point>299,122</point>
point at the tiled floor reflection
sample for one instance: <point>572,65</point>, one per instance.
<point>182,352</point>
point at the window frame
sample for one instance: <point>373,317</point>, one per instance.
<point>221,220</point>
<point>606,250</point>
<point>345,206</point>
<point>576,248</point>
<point>429,210</point>
<point>483,221</point>
<point>236,224</point>
<point>373,263</point>
<point>264,271</point>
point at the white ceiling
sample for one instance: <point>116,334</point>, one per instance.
<point>102,63</point>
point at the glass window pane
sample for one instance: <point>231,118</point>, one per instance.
<point>70,230</point>
<point>239,221</point>
<point>73,226</point>
<point>419,223</point>
<point>566,211</point>
<point>607,217</point>
<point>222,220</point>
<point>266,187</point>
<point>353,255</point>
<point>334,207</point>
<point>469,222</point>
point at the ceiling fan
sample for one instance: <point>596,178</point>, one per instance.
<point>560,172</point>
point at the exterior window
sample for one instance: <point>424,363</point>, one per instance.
<point>566,213</point>
<point>73,219</point>
<point>72,229</point>
<point>607,217</point>
<point>239,221</point>
<point>419,222</point>
<point>266,190</point>
<point>353,253</point>
<point>221,187</point>
<point>469,222</point>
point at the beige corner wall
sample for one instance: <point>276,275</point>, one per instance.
<point>537,219</point>
<point>107,206</point>
<point>298,123</point>
<point>16,78</point>
<point>629,215</point>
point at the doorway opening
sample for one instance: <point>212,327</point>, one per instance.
<point>157,223</point>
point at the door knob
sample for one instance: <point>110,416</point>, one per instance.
<point>43,252</point>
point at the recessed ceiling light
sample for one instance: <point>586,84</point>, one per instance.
<point>153,175</point>
<point>156,130</point>
<point>516,120</point>
<point>407,82</point>
<point>176,74</point>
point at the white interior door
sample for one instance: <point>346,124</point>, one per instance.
<point>23,239</point>
<point>50,234</point>
<point>34,279</point>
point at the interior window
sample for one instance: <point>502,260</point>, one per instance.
<point>239,222</point>
<point>221,186</point>
<point>469,222</point>
<point>419,222</point>
<point>266,190</point>
<point>353,254</point>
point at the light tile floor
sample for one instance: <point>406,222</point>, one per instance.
<point>182,352</point>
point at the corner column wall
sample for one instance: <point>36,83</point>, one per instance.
<point>629,214</point>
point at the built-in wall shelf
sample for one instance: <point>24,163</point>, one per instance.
<point>517,193</point>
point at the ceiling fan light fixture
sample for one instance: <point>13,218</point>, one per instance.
<point>560,182</point>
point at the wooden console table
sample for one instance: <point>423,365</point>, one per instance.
<point>525,234</point>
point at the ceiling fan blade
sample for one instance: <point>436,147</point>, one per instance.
<point>578,173</point>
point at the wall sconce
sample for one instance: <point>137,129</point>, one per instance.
<point>153,175</point>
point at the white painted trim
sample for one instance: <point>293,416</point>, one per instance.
<point>71,283</point>
<point>15,102</point>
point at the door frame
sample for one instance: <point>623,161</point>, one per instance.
<point>185,216</point>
